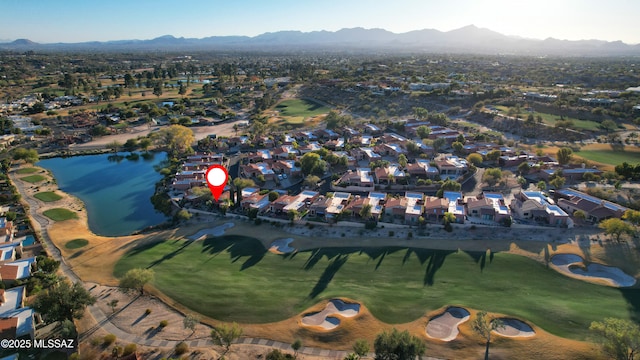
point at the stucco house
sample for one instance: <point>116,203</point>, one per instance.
<point>534,205</point>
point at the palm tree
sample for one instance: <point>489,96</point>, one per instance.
<point>293,214</point>
<point>365,212</point>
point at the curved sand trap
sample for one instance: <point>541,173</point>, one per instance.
<point>334,307</point>
<point>515,328</point>
<point>216,231</point>
<point>445,326</point>
<point>573,264</point>
<point>281,246</point>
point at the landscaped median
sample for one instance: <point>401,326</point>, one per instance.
<point>60,214</point>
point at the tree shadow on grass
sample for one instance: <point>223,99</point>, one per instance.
<point>327,275</point>
<point>633,299</point>
<point>170,255</point>
<point>380,253</point>
<point>140,248</point>
<point>330,253</point>
<point>481,257</point>
<point>434,259</point>
<point>238,247</point>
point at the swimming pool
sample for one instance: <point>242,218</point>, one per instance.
<point>28,240</point>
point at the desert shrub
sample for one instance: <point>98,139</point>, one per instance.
<point>163,324</point>
<point>108,339</point>
<point>276,354</point>
<point>129,349</point>
<point>181,348</point>
<point>370,225</point>
<point>116,351</point>
<point>147,312</point>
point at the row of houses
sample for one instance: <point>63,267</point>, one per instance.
<point>193,171</point>
<point>407,209</point>
<point>445,167</point>
<point>366,135</point>
<point>16,320</point>
<point>532,207</point>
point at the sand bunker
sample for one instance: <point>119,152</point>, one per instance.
<point>445,326</point>
<point>281,246</point>
<point>573,264</point>
<point>515,328</point>
<point>334,307</point>
<point>216,231</point>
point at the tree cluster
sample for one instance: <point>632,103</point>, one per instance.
<point>628,171</point>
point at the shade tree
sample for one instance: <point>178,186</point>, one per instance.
<point>63,301</point>
<point>620,338</point>
<point>136,279</point>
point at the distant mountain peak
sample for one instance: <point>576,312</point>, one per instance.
<point>165,37</point>
<point>20,42</point>
<point>467,39</point>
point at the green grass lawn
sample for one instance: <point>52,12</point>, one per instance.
<point>29,170</point>
<point>47,196</point>
<point>33,178</point>
<point>59,214</point>
<point>611,157</point>
<point>551,119</point>
<point>296,110</point>
<point>233,278</point>
<point>76,243</point>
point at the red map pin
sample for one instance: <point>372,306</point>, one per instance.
<point>217,177</point>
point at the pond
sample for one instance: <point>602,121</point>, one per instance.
<point>116,191</point>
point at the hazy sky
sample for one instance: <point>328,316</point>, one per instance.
<point>48,21</point>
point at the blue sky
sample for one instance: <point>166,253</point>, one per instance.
<point>48,21</point>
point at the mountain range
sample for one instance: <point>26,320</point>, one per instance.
<point>468,39</point>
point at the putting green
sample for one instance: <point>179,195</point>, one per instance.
<point>47,196</point>
<point>233,278</point>
<point>33,178</point>
<point>60,214</point>
<point>76,243</point>
<point>27,170</point>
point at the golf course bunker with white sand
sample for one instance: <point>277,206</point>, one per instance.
<point>325,318</point>
<point>281,246</point>
<point>216,231</point>
<point>574,265</point>
<point>514,328</point>
<point>445,326</point>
